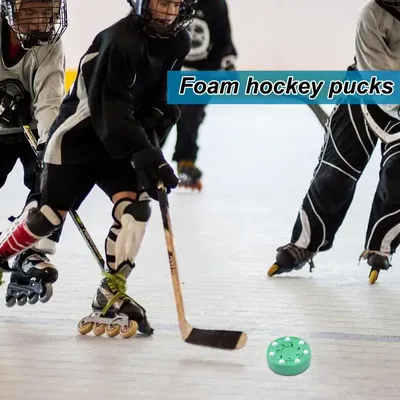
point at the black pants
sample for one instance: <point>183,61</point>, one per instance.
<point>348,146</point>
<point>65,187</point>
<point>16,147</point>
<point>186,148</point>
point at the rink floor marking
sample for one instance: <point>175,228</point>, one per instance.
<point>175,328</point>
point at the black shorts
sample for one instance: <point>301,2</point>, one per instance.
<point>65,187</point>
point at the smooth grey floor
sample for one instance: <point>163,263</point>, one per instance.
<point>257,163</point>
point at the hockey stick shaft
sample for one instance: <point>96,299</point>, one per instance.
<point>320,114</point>
<point>74,215</point>
<point>169,240</point>
<point>185,328</point>
<point>219,339</point>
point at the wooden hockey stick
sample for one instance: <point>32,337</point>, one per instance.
<point>219,339</point>
<point>74,215</point>
<point>320,114</point>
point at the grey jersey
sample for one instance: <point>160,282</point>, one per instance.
<point>39,76</point>
<point>378,44</point>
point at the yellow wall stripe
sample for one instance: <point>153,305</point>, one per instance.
<point>70,76</point>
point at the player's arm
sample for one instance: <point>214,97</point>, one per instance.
<point>49,90</point>
<point>372,51</point>
<point>373,54</point>
<point>224,52</point>
<point>110,98</point>
<point>159,114</point>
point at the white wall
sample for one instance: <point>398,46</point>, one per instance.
<point>269,34</point>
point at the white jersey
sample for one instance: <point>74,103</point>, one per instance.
<point>38,77</point>
<point>378,43</point>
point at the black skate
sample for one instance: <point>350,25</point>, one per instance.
<point>291,257</point>
<point>114,312</point>
<point>189,175</point>
<point>32,276</point>
<point>377,261</point>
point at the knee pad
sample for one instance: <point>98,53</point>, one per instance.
<point>27,230</point>
<point>46,245</point>
<point>126,234</point>
<point>43,222</point>
<point>54,221</point>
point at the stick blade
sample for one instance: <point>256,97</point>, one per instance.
<point>218,339</point>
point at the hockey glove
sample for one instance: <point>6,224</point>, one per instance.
<point>228,63</point>
<point>161,118</point>
<point>13,112</point>
<point>151,167</point>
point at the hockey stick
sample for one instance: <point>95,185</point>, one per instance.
<point>320,114</point>
<point>219,339</point>
<point>74,215</point>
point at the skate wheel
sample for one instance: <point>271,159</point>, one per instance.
<point>289,356</point>
<point>273,270</point>
<point>10,302</point>
<point>127,331</point>
<point>33,298</point>
<point>373,276</point>
<point>112,330</point>
<point>47,293</point>
<point>21,300</point>
<point>84,327</point>
<point>98,329</point>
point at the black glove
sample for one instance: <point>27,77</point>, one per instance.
<point>14,112</point>
<point>40,150</point>
<point>151,167</point>
<point>228,63</point>
<point>160,118</point>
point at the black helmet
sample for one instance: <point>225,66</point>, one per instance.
<point>164,18</point>
<point>39,24</point>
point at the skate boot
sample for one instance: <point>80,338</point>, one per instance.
<point>377,261</point>
<point>32,276</point>
<point>114,312</point>
<point>291,257</point>
<point>189,175</point>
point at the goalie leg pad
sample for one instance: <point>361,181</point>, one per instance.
<point>26,231</point>
<point>126,235</point>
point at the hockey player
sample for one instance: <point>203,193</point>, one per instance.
<point>31,91</point>
<point>105,123</point>
<point>353,131</point>
<point>212,49</point>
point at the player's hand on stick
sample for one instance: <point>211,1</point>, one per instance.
<point>152,167</point>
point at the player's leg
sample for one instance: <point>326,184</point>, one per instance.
<point>347,149</point>
<point>63,188</point>
<point>37,256</point>
<point>383,232</point>
<point>9,153</point>
<point>114,312</point>
<point>186,148</point>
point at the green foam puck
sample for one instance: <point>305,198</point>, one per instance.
<point>289,356</point>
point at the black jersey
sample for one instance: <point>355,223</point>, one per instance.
<point>211,36</point>
<point>123,70</point>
